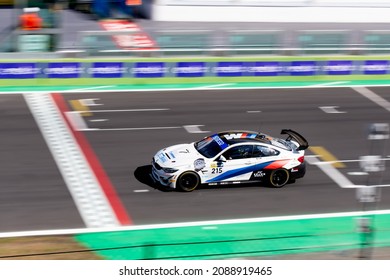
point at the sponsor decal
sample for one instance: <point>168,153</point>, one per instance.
<point>375,67</point>
<point>162,157</point>
<point>219,141</point>
<point>239,135</point>
<point>216,164</point>
<point>339,67</point>
<point>258,174</point>
<point>149,69</point>
<point>19,70</point>
<point>302,68</point>
<point>199,164</point>
<point>107,70</point>
<point>190,69</point>
<point>64,70</point>
<point>229,69</point>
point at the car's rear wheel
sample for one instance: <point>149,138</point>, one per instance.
<point>279,177</point>
<point>188,181</point>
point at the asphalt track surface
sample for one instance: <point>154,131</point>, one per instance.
<point>124,138</point>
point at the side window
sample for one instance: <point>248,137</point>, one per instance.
<point>239,152</point>
<point>263,151</point>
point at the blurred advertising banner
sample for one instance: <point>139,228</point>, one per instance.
<point>24,70</point>
<point>193,69</point>
<point>136,38</point>
<point>133,2</point>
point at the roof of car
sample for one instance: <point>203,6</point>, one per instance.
<point>238,136</point>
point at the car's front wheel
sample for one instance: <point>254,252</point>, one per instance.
<point>279,177</point>
<point>188,181</point>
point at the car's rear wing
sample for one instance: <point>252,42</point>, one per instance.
<point>303,144</point>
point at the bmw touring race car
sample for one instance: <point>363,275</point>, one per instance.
<point>232,157</point>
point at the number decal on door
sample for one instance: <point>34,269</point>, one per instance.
<point>216,170</point>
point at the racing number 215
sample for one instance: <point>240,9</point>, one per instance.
<point>216,170</point>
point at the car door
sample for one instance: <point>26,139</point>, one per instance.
<point>234,165</point>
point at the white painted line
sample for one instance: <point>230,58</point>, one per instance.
<point>331,110</point>
<point>210,228</point>
<point>193,89</point>
<point>129,128</point>
<point>76,120</point>
<point>215,86</point>
<point>343,161</point>
<point>141,191</point>
<point>329,84</point>
<point>124,110</point>
<point>365,186</point>
<point>379,186</point>
<point>191,224</point>
<point>369,94</point>
<point>194,129</point>
<point>90,102</point>
<point>91,202</point>
<point>332,172</point>
<point>357,173</point>
<point>99,120</point>
<point>88,89</point>
<point>250,112</point>
<point>311,156</point>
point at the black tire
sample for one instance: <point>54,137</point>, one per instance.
<point>188,181</point>
<point>279,177</point>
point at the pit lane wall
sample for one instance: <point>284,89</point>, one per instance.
<point>146,71</point>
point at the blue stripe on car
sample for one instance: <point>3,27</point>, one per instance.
<point>239,171</point>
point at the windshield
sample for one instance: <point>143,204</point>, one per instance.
<point>281,144</point>
<point>208,147</point>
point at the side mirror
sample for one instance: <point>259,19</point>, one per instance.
<point>221,158</point>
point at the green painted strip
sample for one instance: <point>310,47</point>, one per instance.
<point>207,58</point>
<point>21,87</point>
<point>236,240</point>
<point>201,80</point>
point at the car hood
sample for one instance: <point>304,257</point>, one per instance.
<point>177,155</point>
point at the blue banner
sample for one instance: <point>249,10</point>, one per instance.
<point>64,70</point>
<point>149,70</point>
<point>19,70</point>
<point>190,69</point>
<point>195,69</point>
<point>375,67</point>
<point>339,67</point>
<point>302,68</point>
<point>107,70</point>
<point>266,68</point>
<point>229,69</point>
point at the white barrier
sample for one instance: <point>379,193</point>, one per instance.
<point>346,11</point>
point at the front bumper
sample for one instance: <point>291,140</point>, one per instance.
<point>162,177</point>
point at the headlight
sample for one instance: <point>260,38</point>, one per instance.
<point>169,170</point>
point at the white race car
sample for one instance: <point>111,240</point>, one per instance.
<point>232,157</point>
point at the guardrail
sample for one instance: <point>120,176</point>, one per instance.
<point>205,43</point>
<point>234,42</point>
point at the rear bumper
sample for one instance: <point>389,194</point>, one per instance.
<point>298,172</point>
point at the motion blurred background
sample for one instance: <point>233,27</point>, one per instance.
<point>217,27</point>
<point>140,29</point>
